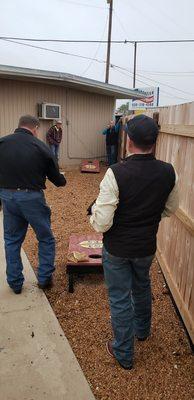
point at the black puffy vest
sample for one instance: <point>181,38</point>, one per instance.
<point>144,185</point>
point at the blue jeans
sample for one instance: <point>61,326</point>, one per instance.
<point>129,290</point>
<point>21,208</point>
<point>112,152</point>
<point>55,150</point>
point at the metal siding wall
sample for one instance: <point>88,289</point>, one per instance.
<point>87,114</point>
<point>19,98</point>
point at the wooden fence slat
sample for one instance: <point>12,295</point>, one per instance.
<point>180,130</point>
<point>188,321</point>
<point>190,281</point>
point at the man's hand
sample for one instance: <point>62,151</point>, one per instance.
<point>89,209</point>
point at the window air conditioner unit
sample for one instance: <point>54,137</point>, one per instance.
<point>49,111</point>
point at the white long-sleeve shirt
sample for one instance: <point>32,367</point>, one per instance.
<point>106,204</point>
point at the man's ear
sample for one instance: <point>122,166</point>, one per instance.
<point>130,145</point>
<point>35,132</point>
<point>128,142</point>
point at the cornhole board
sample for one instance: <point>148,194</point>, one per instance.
<point>94,265</point>
<point>91,166</point>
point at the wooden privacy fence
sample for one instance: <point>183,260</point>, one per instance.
<point>176,234</point>
<point>175,251</point>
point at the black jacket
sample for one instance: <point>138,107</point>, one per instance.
<point>54,135</point>
<point>26,161</point>
<point>144,185</point>
<point>112,136</point>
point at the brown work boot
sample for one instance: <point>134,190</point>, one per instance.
<point>47,285</point>
<point>110,352</point>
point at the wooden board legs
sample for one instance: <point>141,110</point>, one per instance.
<point>71,283</point>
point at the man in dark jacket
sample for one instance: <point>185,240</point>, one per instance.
<point>112,138</point>
<point>54,137</point>
<point>134,195</point>
<point>25,163</point>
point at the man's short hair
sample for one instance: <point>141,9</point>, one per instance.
<point>29,121</point>
<point>143,131</point>
<point>145,147</point>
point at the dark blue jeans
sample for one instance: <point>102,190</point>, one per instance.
<point>112,153</point>
<point>55,150</point>
<point>129,290</point>
<point>21,208</point>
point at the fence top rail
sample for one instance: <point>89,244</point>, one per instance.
<point>186,220</point>
<point>179,130</point>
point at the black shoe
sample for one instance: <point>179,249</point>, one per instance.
<point>47,285</point>
<point>17,291</point>
<point>142,339</point>
<point>110,352</point>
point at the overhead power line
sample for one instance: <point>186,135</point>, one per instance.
<point>170,18</point>
<point>146,83</point>
<point>120,22</point>
<point>167,73</point>
<point>96,52</point>
<point>147,16</point>
<point>56,51</point>
<point>169,86</point>
<point>96,41</point>
<point>165,41</point>
<point>117,67</point>
<point>64,40</point>
<point>155,81</point>
<point>84,4</point>
<point>174,96</point>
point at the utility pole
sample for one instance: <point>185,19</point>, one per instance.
<point>134,64</point>
<point>109,40</point>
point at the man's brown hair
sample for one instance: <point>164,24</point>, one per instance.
<point>29,121</point>
<point>144,147</point>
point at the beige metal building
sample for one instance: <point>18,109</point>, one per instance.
<point>86,107</point>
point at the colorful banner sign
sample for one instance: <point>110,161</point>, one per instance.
<point>151,99</point>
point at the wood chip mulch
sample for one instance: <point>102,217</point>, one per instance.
<point>163,364</point>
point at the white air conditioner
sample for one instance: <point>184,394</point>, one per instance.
<point>49,111</point>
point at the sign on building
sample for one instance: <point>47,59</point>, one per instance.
<point>151,99</point>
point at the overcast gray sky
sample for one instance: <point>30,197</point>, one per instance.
<point>157,64</point>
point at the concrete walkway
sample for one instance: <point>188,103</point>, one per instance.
<point>36,360</point>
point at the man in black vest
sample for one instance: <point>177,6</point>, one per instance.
<point>134,196</point>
